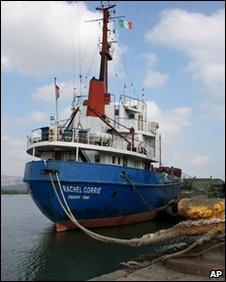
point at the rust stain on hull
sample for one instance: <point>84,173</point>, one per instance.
<point>106,222</point>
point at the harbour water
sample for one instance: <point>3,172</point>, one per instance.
<point>31,250</point>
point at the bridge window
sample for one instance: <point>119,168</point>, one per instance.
<point>131,116</point>
<point>124,161</point>
<point>147,165</point>
<point>57,155</point>
<point>113,159</point>
<point>119,160</point>
<point>97,158</point>
<point>116,112</point>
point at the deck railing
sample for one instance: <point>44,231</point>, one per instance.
<point>146,126</point>
<point>77,136</point>
<point>132,102</point>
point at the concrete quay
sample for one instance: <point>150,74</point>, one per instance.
<point>174,269</point>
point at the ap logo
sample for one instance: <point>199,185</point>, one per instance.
<point>215,273</point>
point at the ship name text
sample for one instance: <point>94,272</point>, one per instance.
<point>81,190</point>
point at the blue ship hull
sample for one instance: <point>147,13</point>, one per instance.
<point>97,193</point>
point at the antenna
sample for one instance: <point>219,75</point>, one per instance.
<point>124,89</point>
<point>160,151</point>
<point>142,99</point>
<point>73,101</point>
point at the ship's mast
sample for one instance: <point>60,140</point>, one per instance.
<point>105,50</point>
<point>98,88</point>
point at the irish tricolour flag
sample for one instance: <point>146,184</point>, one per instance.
<point>125,24</point>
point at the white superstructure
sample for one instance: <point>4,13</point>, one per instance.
<point>91,139</point>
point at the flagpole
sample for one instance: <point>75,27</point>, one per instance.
<point>160,151</point>
<point>56,101</point>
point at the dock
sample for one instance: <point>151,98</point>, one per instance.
<point>174,269</point>
<point>191,258</point>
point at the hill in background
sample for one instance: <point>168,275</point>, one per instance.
<point>12,183</point>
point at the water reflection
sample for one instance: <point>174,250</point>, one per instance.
<point>75,256</point>
<point>32,251</point>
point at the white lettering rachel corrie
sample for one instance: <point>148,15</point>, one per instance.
<point>79,190</point>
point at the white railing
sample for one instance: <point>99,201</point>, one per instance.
<point>146,126</point>
<point>132,102</point>
<point>73,136</point>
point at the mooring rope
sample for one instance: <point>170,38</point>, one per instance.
<point>125,176</point>
<point>71,216</point>
<point>188,227</point>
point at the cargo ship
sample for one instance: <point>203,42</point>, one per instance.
<point>105,157</point>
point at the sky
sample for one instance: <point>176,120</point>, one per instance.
<point>175,52</point>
